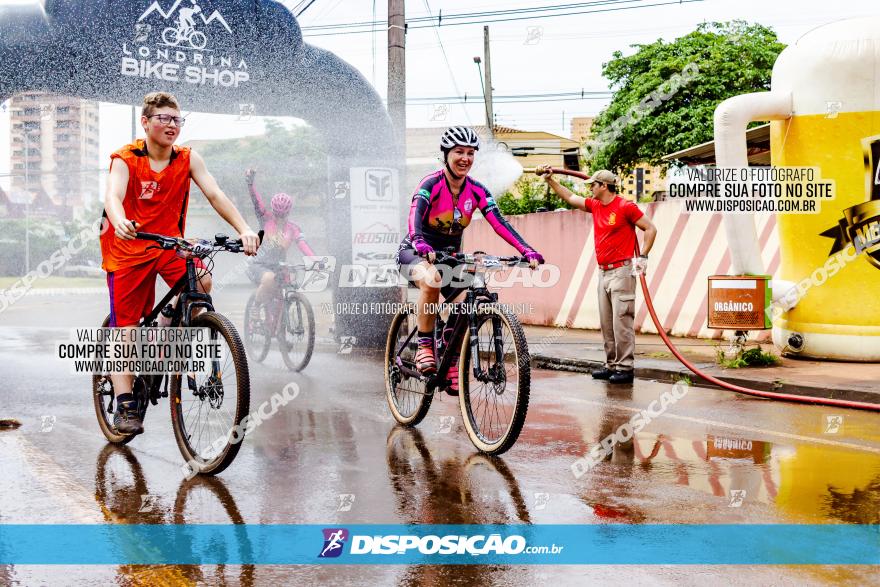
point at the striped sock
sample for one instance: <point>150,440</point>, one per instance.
<point>426,339</point>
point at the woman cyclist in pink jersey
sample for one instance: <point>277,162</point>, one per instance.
<point>280,233</point>
<point>441,209</point>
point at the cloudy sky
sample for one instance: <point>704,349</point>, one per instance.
<point>534,56</point>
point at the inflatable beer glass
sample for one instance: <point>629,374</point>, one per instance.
<point>833,75</point>
<point>824,108</point>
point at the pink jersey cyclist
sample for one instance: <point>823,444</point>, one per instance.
<point>440,219</point>
<point>441,209</point>
<point>280,232</point>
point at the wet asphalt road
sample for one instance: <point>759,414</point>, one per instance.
<point>333,456</point>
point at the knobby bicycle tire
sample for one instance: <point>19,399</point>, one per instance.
<point>291,302</point>
<point>523,371</point>
<point>220,324</point>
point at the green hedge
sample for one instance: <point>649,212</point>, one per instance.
<point>534,194</point>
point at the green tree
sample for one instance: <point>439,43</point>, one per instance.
<point>287,160</point>
<point>643,122</point>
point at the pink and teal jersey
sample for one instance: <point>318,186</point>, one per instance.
<point>440,220</point>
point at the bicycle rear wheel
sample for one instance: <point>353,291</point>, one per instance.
<point>257,335</point>
<point>102,397</point>
<point>296,335</point>
<point>408,397</point>
<point>206,407</point>
<point>494,406</point>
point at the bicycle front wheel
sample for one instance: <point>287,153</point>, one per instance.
<point>296,336</point>
<point>207,406</point>
<point>494,401</point>
<point>198,40</point>
<point>408,397</point>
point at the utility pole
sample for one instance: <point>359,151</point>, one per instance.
<point>487,90</point>
<point>397,71</point>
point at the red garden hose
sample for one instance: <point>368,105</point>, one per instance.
<point>714,380</point>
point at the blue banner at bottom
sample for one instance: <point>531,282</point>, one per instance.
<point>828,544</point>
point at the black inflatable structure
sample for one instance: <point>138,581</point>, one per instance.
<point>215,56</point>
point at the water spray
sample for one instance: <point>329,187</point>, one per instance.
<point>714,380</point>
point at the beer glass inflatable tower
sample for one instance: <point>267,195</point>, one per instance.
<point>824,105</point>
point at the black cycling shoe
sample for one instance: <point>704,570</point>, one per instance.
<point>621,377</point>
<point>126,419</point>
<point>604,373</point>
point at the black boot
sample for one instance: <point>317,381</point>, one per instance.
<point>603,373</point>
<point>621,377</point>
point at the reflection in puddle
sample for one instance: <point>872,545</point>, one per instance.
<point>476,490</point>
<point>803,482</point>
<point>123,495</point>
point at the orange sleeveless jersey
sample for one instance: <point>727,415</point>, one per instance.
<point>157,202</point>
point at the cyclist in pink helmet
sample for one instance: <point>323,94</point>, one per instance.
<point>280,233</point>
<point>281,204</point>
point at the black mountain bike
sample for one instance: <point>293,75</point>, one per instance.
<point>289,318</point>
<point>493,360</point>
<point>204,406</point>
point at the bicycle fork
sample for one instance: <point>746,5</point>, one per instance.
<point>481,374</point>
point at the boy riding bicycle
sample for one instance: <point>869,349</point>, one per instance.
<point>148,190</point>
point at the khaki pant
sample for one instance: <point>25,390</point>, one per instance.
<point>617,308</point>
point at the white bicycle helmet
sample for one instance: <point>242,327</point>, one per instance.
<point>459,136</point>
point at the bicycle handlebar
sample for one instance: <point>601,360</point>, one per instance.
<point>316,265</point>
<point>221,242</point>
<point>472,258</point>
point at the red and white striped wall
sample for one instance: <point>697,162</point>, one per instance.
<point>689,248</point>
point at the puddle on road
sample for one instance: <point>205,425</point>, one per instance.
<point>791,481</point>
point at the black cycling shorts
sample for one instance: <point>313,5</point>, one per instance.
<point>450,271</point>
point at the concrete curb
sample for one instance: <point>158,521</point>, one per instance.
<point>674,372</point>
<point>60,291</point>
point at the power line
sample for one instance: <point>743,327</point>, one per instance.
<point>446,59</point>
<point>479,14</point>
<point>501,101</point>
<point>580,94</point>
<point>304,8</point>
<point>486,17</point>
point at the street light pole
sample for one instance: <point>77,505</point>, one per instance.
<point>489,125</point>
<point>27,203</point>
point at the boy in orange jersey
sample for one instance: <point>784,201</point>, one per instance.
<point>148,190</point>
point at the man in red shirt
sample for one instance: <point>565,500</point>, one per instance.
<point>148,190</point>
<point>614,222</point>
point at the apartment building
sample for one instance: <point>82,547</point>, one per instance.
<point>54,151</point>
